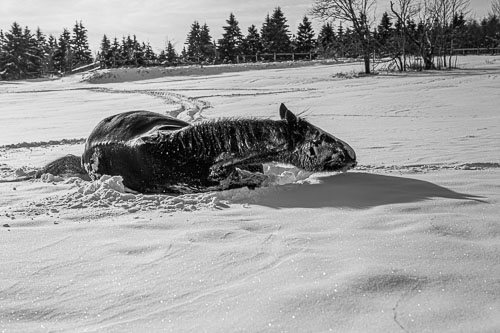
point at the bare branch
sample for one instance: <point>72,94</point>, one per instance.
<point>495,8</point>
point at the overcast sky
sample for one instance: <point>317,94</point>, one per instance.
<point>157,21</point>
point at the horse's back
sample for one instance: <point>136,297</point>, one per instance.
<point>127,126</point>
<point>116,146</point>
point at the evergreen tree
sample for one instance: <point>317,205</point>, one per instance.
<point>199,44</point>
<point>252,44</point>
<point>18,54</point>
<point>32,59</point>
<point>230,44</point>
<point>80,46</point>
<point>326,40</point>
<point>126,51</point>
<point>52,47</point>
<point>184,55</point>
<point>304,41</point>
<point>490,27</point>
<point>266,34</point>
<point>116,58</point>
<point>64,54</point>
<point>171,56</point>
<point>384,30</point>
<point>52,41</point>
<point>138,58</point>
<point>105,54</point>
<point>131,52</point>
<point>274,33</point>
<point>207,47</point>
<point>193,51</point>
<point>42,52</point>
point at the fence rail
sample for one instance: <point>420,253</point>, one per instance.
<point>84,68</point>
<point>273,56</point>
<point>477,50</point>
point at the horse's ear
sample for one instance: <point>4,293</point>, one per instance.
<point>287,114</point>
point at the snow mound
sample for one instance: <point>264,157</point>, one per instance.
<point>109,193</point>
<point>118,75</point>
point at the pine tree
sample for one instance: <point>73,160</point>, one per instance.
<point>19,54</point>
<point>305,37</point>
<point>11,52</point>
<point>80,46</point>
<point>252,44</point>
<point>126,51</point>
<point>275,34</point>
<point>149,55</point>
<point>105,54</point>
<point>193,51</point>
<point>199,44</point>
<point>266,34</point>
<point>384,30</point>
<point>206,45</point>
<point>42,52</point>
<point>64,54</point>
<point>171,56</point>
<point>116,58</point>
<point>326,40</point>
<point>52,47</point>
<point>137,53</point>
<point>230,44</point>
<point>184,55</point>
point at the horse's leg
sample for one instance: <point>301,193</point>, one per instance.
<point>243,178</point>
<point>235,176</point>
<point>253,167</point>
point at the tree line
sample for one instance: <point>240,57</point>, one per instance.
<point>24,54</point>
<point>412,34</point>
<point>201,48</point>
<point>415,32</point>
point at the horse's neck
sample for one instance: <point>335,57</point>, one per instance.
<point>242,137</point>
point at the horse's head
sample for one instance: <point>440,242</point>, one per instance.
<point>313,149</point>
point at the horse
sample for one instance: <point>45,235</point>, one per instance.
<point>155,153</point>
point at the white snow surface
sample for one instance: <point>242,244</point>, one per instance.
<point>409,241</point>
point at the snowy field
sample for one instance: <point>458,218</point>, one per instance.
<point>409,241</point>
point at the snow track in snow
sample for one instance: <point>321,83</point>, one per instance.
<point>189,108</point>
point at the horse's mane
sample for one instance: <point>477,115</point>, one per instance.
<point>238,135</point>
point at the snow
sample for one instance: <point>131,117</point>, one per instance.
<point>408,241</point>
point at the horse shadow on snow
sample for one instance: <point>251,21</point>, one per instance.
<point>358,191</point>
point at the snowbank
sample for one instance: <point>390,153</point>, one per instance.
<point>117,75</point>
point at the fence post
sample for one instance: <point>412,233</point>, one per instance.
<point>274,57</point>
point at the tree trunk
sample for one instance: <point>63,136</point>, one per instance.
<point>366,59</point>
<point>428,63</point>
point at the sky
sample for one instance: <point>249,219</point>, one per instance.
<point>157,21</point>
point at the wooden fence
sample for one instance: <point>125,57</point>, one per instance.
<point>479,50</point>
<point>274,57</point>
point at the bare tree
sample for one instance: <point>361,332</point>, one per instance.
<point>405,11</point>
<point>441,13</point>
<point>355,12</point>
<point>495,8</point>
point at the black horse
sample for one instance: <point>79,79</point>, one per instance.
<point>154,153</point>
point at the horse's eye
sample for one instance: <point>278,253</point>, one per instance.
<point>316,143</point>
